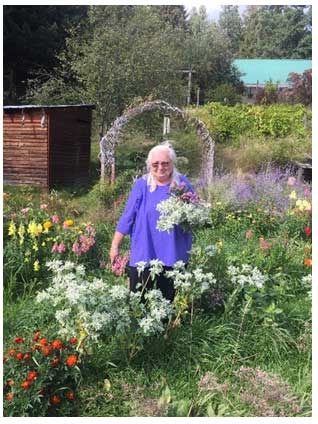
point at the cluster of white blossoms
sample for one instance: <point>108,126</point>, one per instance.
<point>196,281</point>
<point>307,282</point>
<point>246,275</point>
<point>175,211</point>
<point>95,308</point>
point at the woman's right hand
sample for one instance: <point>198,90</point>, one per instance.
<point>113,253</point>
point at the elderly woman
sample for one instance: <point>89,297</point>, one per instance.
<point>140,217</point>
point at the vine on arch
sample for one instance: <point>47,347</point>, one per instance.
<point>112,138</point>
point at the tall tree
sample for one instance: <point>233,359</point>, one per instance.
<point>230,24</point>
<point>32,37</point>
<point>277,32</point>
<point>126,52</point>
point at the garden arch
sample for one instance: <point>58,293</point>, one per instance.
<point>112,138</point>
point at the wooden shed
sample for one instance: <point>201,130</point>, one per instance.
<point>46,146</point>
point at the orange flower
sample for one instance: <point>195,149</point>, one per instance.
<point>19,356</point>
<point>12,352</point>
<point>32,375</point>
<point>35,347</point>
<point>55,400</point>
<point>47,225</point>
<point>308,262</point>
<point>55,361</point>
<point>70,395</point>
<point>10,382</point>
<point>73,340</point>
<point>36,336</point>
<point>57,344</point>
<point>25,385</point>
<point>71,360</point>
<point>43,342</point>
<point>46,350</point>
<point>18,340</point>
<point>9,396</point>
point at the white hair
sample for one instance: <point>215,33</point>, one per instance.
<point>163,147</point>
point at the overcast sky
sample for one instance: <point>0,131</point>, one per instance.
<point>213,10</point>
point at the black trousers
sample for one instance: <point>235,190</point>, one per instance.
<point>164,284</point>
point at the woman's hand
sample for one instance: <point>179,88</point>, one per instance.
<point>113,253</point>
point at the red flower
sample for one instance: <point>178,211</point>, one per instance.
<point>10,382</point>
<point>42,391</point>
<point>46,350</point>
<point>12,352</point>
<point>19,340</point>
<point>307,231</point>
<point>32,375</point>
<point>55,400</point>
<point>19,356</point>
<point>71,360</point>
<point>25,385</point>
<point>57,344</point>
<point>27,357</point>
<point>36,336</point>
<point>73,340</point>
<point>70,395</point>
<point>43,342</point>
<point>55,361</point>
<point>9,396</point>
<point>4,359</point>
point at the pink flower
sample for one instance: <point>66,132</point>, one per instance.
<point>43,206</point>
<point>118,267</point>
<point>54,248</point>
<point>291,181</point>
<point>307,231</point>
<point>307,192</point>
<point>264,243</point>
<point>55,219</point>
<point>25,210</point>
<point>61,248</point>
<point>248,234</point>
<point>76,249</point>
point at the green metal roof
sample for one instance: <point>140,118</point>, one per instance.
<point>259,71</point>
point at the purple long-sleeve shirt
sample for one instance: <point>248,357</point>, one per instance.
<point>139,220</point>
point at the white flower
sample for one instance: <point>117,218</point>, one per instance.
<point>156,268</point>
<point>141,267</point>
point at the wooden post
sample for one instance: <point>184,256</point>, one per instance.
<point>198,96</point>
<point>189,87</point>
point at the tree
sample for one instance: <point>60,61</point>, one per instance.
<point>208,54</point>
<point>300,90</point>
<point>125,53</point>
<point>277,32</point>
<point>32,37</point>
<point>230,24</point>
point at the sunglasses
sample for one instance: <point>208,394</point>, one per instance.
<point>163,164</point>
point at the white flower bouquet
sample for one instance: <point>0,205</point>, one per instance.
<point>182,208</point>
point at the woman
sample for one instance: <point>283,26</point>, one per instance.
<point>140,217</point>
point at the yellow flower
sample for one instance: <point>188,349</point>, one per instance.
<point>35,248</point>
<point>68,222</point>
<point>32,229</point>
<point>12,229</point>
<point>36,265</point>
<point>218,203</point>
<point>293,195</point>
<point>219,244</point>
<point>21,232</point>
<point>303,205</point>
<point>39,228</point>
<point>47,225</point>
<point>43,244</point>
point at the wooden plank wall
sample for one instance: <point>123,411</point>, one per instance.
<point>25,149</point>
<point>69,145</point>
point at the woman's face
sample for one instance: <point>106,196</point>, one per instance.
<point>161,167</point>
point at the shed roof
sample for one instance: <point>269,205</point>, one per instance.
<point>47,106</point>
<point>259,71</point>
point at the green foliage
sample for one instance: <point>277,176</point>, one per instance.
<point>224,93</point>
<point>228,123</point>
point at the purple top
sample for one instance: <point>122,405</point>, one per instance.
<point>139,220</point>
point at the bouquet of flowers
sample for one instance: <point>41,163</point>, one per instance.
<point>182,208</point>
